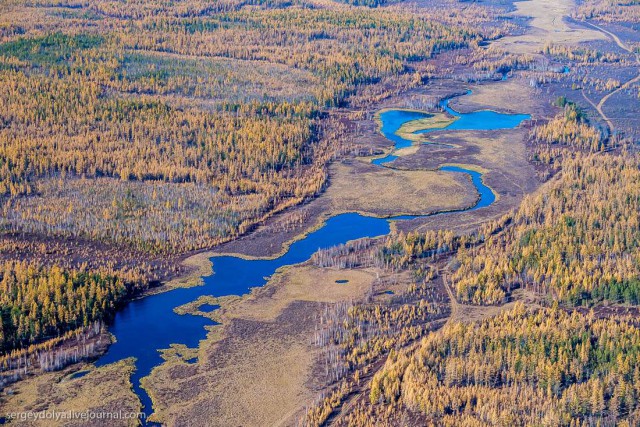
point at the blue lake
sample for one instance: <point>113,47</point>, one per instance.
<point>149,324</point>
<point>392,120</point>
<point>481,120</point>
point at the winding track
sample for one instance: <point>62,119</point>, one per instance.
<point>604,99</point>
<point>453,301</point>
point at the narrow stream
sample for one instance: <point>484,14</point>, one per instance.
<point>148,324</point>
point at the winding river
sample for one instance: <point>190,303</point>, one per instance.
<point>145,325</point>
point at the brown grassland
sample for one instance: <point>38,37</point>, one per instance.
<point>106,389</point>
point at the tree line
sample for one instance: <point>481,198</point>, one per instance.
<point>38,303</point>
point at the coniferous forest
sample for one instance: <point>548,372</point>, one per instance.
<point>146,146</point>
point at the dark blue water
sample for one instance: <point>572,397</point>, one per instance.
<point>208,308</point>
<point>478,120</point>
<point>149,324</point>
